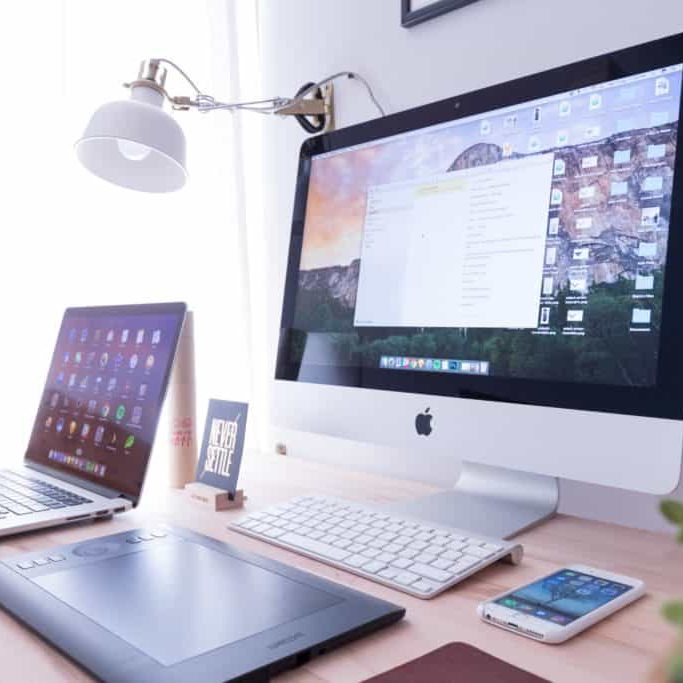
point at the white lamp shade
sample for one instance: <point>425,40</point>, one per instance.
<point>135,144</point>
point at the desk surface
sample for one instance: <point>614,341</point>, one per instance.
<point>626,647</point>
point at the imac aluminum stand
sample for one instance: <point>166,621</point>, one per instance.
<point>490,500</point>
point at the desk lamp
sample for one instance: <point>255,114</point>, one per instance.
<point>135,144</point>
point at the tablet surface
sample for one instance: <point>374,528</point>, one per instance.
<point>169,604</point>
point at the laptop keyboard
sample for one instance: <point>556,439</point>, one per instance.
<point>22,495</point>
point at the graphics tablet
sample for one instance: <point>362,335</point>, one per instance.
<point>168,604</point>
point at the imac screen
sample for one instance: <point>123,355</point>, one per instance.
<point>524,242</point>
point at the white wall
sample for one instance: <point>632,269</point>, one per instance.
<point>485,43</point>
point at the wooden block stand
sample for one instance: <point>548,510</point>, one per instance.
<point>214,498</point>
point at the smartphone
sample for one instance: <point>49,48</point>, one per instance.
<point>558,606</point>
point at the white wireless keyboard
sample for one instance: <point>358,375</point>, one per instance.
<point>408,554</point>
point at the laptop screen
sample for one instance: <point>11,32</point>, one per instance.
<point>100,407</point>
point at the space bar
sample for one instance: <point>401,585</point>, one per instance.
<point>313,546</point>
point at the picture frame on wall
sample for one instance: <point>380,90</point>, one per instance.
<point>414,12</point>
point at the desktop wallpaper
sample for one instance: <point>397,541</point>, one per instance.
<point>608,222</point>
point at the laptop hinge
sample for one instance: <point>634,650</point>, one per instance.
<point>104,491</point>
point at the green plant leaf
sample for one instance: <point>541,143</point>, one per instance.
<point>673,611</point>
<point>675,668</point>
<point>672,510</point>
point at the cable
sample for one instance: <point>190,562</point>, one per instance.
<point>340,74</point>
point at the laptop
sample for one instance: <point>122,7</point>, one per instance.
<point>97,417</point>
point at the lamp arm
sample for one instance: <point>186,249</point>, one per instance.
<point>297,106</point>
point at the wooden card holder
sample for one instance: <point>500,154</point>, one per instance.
<point>214,498</point>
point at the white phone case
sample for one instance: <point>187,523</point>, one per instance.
<point>548,632</point>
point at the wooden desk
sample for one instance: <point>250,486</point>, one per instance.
<point>624,648</point>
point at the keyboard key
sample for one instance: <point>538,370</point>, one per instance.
<point>41,561</point>
<point>389,573</point>
<point>430,572</point>
<point>313,546</point>
<point>451,555</point>
<point>373,567</point>
<point>388,558</point>
<point>401,563</point>
<point>406,578</point>
<point>25,565</point>
<point>356,561</point>
<point>274,532</point>
<point>464,564</point>
<point>424,586</point>
<point>370,553</point>
<point>482,553</point>
<point>442,564</point>
<point>425,558</point>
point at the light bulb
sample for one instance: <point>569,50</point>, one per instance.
<point>133,151</point>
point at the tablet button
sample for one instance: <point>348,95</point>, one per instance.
<point>94,549</point>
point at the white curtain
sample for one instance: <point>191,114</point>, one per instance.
<point>71,239</point>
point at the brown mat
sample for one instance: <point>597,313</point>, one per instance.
<point>457,662</point>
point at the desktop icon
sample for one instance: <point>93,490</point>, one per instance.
<point>73,426</point>
<point>156,337</point>
<point>84,382</point>
<point>565,108</point>
<point>105,409</point>
<point>562,138</point>
<point>99,434</point>
<point>133,361</point>
<point>149,363</point>
<point>140,337</point>
<point>92,406</point>
<point>72,379</point>
<point>60,378</point>
<point>120,412</point>
<point>85,430</point>
<point>118,360</point>
<point>423,423</point>
<point>136,417</point>
<point>142,390</point>
<point>110,336</point>
<point>124,336</point>
<point>556,196</point>
<point>48,421</point>
<point>128,443</point>
<point>104,360</point>
<point>84,335</point>
<point>661,86</point>
<point>595,101</point>
<point>111,384</point>
<point>60,425</point>
<point>78,356</point>
<point>54,400</point>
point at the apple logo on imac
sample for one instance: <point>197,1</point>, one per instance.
<point>423,423</point>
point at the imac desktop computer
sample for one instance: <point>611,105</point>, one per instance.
<point>496,278</point>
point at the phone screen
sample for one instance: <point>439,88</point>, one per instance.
<point>564,596</point>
